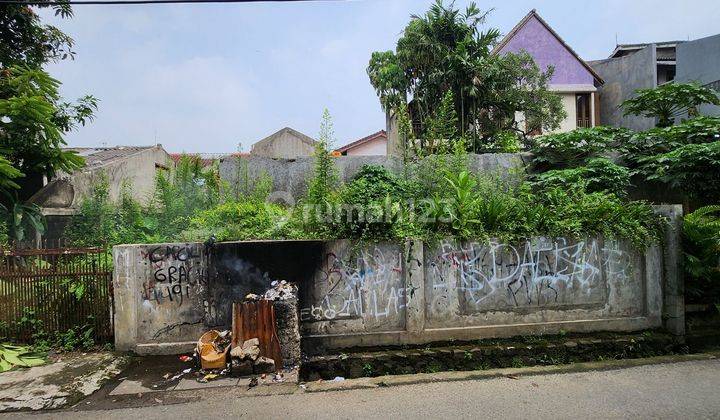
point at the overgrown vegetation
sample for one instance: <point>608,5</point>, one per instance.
<point>436,196</point>
<point>80,337</point>
<point>701,245</point>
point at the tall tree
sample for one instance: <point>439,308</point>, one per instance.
<point>24,40</point>
<point>33,116</point>
<point>444,50</point>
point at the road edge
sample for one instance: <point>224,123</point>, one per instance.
<point>514,373</point>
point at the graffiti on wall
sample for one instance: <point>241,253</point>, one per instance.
<point>369,285</point>
<point>538,273</point>
<point>176,271</point>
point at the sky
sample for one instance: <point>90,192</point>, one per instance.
<point>216,78</point>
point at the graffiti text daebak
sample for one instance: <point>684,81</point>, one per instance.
<point>536,273</point>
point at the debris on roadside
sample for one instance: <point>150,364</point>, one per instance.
<point>246,359</point>
<point>208,377</point>
<point>212,348</point>
<point>185,358</point>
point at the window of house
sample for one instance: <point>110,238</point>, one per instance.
<point>582,109</point>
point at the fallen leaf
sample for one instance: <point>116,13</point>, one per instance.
<point>511,376</point>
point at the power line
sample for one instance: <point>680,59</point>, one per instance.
<point>121,2</point>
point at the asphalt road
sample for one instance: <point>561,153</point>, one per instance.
<point>685,390</point>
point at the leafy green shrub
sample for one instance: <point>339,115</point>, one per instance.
<point>100,222</point>
<point>21,220</point>
<point>579,214</point>
<point>503,142</point>
<point>96,221</point>
<point>79,337</point>
<point>599,174</point>
<point>573,148</point>
<point>701,245</point>
<point>658,141</point>
<point>179,195</point>
<point>694,168</point>
<point>462,203</point>
<point>442,128</point>
<point>666,101</point>
<point>373,204</point>
<point>237,221</point>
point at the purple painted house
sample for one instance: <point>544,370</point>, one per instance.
<point>574,80</point>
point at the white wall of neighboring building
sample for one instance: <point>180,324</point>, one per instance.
<point>570,122</point>
<point>374,147</point>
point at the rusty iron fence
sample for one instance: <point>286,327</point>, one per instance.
<point>52,290</point>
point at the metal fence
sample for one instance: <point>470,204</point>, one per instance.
<point>53,290</point>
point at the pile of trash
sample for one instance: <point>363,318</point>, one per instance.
<point>281,290</point>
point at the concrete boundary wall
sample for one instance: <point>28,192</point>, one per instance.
<point>290,176</point>
<point>416,293</point>
<point>388,293</point>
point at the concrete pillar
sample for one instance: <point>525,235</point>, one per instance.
<point>393,136</point>
<point>126,297</point>
<point>673,282</point>
<point>414,287</point>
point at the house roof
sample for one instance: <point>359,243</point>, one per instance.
<point>524,21</point>
<point>627,48</point>
<point>366,139</point>
<point>99,156</point>
<point>206,158</point>
<point>303,137</point>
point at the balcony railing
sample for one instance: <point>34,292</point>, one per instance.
<point>584,122</point>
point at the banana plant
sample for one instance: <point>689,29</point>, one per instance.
<point>22,219</point>
<point>12,356</point>
<point>463,201</point>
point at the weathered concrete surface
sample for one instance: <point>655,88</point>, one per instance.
<point>673,281</point>
<point>167,295</point>
<point>136,169</point>
<point>675,390</point>
<point>623,76</point>
<point>159,293</point>
<point>356,290</point>
<point>466,291</point>
<point>286,143</point>
<point>57,384</point>
<point>699,61</point>
<point>290,176</point>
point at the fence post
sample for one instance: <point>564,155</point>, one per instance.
<point>673,281</point>
<point>125,296</point>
